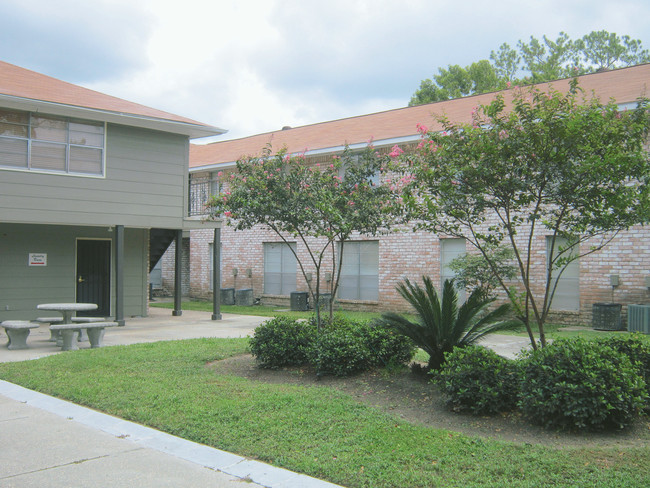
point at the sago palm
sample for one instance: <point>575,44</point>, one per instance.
<point>442,324</point>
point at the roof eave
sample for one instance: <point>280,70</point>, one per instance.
<point>193,131</point>
<point>411,138</point>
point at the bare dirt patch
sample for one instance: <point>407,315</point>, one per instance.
<point>414,399</point>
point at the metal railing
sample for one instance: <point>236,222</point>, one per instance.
<point>201,191</point>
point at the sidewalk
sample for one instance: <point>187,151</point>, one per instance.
<point>49,442</point>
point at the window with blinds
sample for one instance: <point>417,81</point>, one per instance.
<point>567,282</point>
<point>359,271</point>
<point>450,249</point>
<point>38,142</point>
<point>280,267</point>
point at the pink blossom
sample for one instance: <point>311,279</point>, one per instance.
<point>227,213</point>
<point>220,174</point>
<point>503,134</point>
<point>508,84</point>
<point>396,151</point>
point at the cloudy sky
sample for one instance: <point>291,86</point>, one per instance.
<point>253,66</point>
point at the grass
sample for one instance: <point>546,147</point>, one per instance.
<point>261,310</point>
<point>318,431</point>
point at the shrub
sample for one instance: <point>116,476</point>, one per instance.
<point>282,341</point>
<point>477,380</point>
<point>638,350</point>
<point>441,324</point>
<point>577,384</point>
<point>341,350</point>
<point>388,347</point>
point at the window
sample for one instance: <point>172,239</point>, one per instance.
<point>567,292</point>
<point>360,271</point>
<point>375,179</point>
<point>280,267</point>
<point>51,144</point>
<point>449,250</point>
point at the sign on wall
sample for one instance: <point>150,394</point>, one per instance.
<point>37,259</point>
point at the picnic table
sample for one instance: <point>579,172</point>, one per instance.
<point>67,309</point>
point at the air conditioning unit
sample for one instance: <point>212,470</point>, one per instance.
<point>638,318</point>
<point>299,301</point>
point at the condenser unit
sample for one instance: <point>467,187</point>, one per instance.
<point>299,301</point>
<point>638,318</point>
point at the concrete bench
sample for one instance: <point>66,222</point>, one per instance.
<point>17,332</point>
<point>70,334</point>
<point>54,335</point>
<point>83,337</point>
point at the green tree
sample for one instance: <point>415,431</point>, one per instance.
<point>320,205</point>
<point>605,50</point>
<point>547,60</point>
<point>571,167</point>
<point>534,61</point>
<point>474,271</point>
<point>456,82</point>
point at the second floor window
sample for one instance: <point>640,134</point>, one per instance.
<point>38,142</point>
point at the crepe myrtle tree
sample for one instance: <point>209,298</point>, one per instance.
<point>320,205</point>
<point>567,166</point>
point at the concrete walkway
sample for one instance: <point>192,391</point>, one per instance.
<point>47,442</point>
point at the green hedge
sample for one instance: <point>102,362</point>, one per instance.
<point>578,384</point>
<point>344,347</point>
<point>477,380</point>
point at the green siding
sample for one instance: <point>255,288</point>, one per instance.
<point>145,186</point>
<point>23,287</point>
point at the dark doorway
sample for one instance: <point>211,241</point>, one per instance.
<point>94,275</point>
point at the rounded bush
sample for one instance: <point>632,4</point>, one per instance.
<point>388,347</point>
<point>638,350</point>
<point>578,384</point>
<point>282,341</point>
<point>477,380</point>
<point>340,350</point>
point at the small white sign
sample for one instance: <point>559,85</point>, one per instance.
<point>37,259</point>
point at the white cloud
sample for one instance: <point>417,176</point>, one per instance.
<point>255,65</point>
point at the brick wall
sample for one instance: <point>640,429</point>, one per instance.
<point>413,254</point>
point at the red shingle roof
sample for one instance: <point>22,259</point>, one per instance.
<point>624,85</point>
<point>23,83</point>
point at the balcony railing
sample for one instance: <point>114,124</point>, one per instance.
<point>201,190</point>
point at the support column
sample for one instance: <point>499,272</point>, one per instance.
<point>119,275</point>
<point>178,274</point>
<point>216,275</point>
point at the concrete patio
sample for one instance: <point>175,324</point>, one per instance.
<point>160,325</point>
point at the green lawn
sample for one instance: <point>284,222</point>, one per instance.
<point>553,331</point>
<point>260,310</point>
<point>318,431</point>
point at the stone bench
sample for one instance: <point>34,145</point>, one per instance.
<point>54,335</point>
<point>70,334</point>
<point>17,332</point>
<point>85,320</point>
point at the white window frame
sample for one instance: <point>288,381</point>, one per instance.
<point>68,145</point>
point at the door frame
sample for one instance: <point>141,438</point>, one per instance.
<point>110,267</point>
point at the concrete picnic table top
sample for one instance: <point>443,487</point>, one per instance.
<point>67,309</point>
